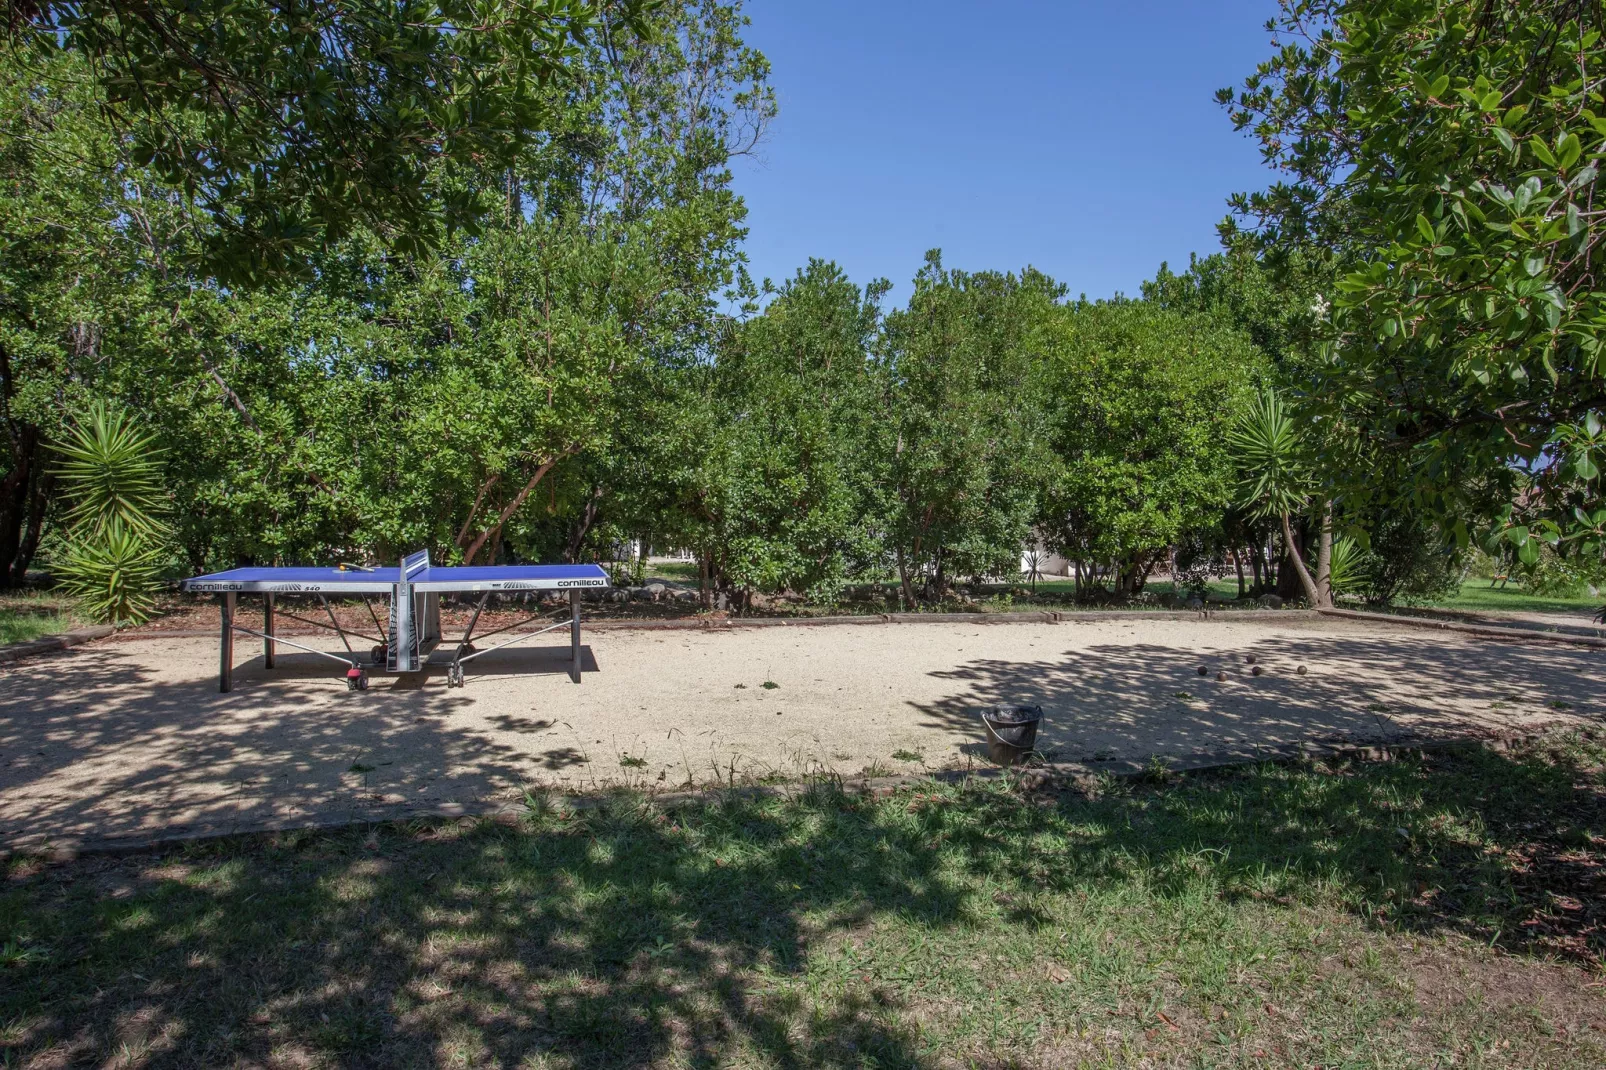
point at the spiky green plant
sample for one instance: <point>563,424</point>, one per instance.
<point>1275,481</point>
<point>113,572</point>
<point>1344,569</point>
<point>117,542</point>
<point>112,470</point>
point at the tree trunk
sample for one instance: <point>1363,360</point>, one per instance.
<point>1294,558</point>
<point>583,524</point>
<point>905,595</point>
<point>1324,557</point>
<point>509,510</point>
<point>1145,566</point>
<point>38,504</point>
<point>21,508</point>
<point>1286,580</point>
<point>1126,578</point>
<point>1238,565</point>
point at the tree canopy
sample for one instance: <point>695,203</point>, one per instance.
<point>1446,154</point>
<point>1139,400</point>
<point>370,278</point>
<point>291,126</point>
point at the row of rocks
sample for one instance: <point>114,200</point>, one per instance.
<point>651,592</point>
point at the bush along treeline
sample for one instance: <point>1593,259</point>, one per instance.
<point>555,352</point>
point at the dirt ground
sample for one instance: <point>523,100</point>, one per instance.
<point>129,737</point>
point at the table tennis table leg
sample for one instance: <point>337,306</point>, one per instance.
<point>225,668</point>
<point>574,633</point>
<point>267,631</point>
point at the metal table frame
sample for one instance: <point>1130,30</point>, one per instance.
<point>406,644</point>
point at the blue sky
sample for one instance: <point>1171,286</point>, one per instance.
<point>1080,137</point>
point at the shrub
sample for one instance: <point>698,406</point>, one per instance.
<point>117,542</point>
<point>1407,558</point>
<point>113,572</point>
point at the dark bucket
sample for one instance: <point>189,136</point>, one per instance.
<point>1011,732</point>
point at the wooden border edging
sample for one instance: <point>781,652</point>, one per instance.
<point>1486,631</point>
<point>46,644</point>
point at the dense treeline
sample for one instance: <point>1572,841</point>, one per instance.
<point>579,360</point>
<point>569,377</point>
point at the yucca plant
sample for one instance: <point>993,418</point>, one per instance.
<point>116,543</point>
<point>1276,482</point>
<point>113,572</point>
<point>1344,570</point>
<point>112,471</point>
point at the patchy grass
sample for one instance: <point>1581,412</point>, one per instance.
<point>678,571</point>
<point>30,615</point>
<point>1438,912</point>
<point>1478,596</point>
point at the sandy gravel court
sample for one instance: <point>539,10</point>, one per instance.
<point>130,737</point>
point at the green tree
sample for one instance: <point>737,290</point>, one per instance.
<point>389,401</point>
<point>1447,153</point>
<point>963,442</point>
<point>58,266</point>
<point>1269,300</point>
<point>293,126</point>
<point>791,489</point>
<point>1139,401</point>
<point>1277,480</point>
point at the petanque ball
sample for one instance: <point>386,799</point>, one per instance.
<point>1204,670</point>
<point>1302,670</point>
<point>1250,658</point>
<point>1256,671</point>
<point>1221,676</point>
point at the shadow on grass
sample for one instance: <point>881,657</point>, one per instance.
<point>714,934</point>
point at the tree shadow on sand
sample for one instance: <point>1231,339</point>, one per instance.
<point>96,743</point>
<point>1133,701</point>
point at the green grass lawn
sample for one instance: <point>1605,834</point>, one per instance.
<point>29,616</point>
<point>1438,912</point>
<point>679,571</point>
<point>1222,589</point>
<point>1478,596</point>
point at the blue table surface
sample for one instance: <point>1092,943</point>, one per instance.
<point>433,574</point>
<point>495,573</point>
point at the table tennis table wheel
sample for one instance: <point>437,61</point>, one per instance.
<point>377,654</point>
<point>356,679</point>
<point>454,675</point>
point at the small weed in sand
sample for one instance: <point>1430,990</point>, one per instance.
<point>769,685</point>
<point>1157,771</point>
<point>903,755</point>
<point>630,761</point>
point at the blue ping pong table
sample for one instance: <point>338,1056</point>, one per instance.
<point>413,628</point>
